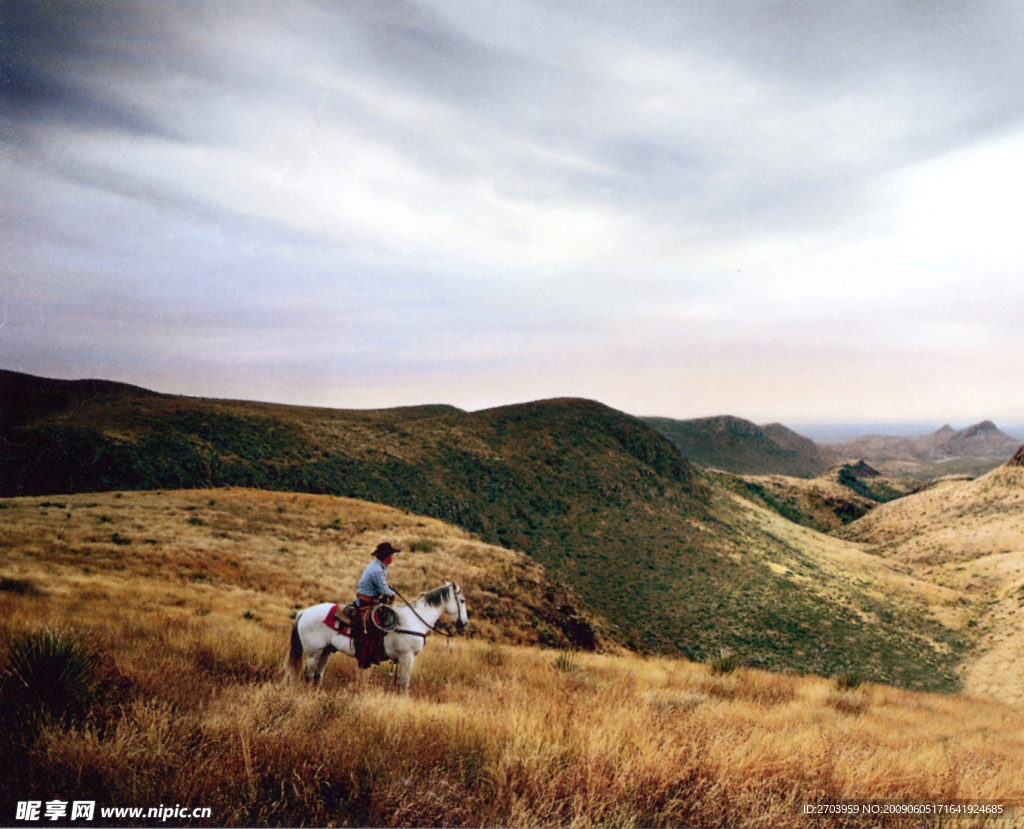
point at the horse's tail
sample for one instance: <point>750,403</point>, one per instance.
<point>293,664</point>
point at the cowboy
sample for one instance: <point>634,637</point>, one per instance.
<point>373,585</point>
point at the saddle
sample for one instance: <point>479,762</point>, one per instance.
<point>366,627</point>
<point>339,619</point>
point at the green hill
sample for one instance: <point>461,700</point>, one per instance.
<point>743,448</point>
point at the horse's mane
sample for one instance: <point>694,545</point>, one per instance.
<point>436,597</point>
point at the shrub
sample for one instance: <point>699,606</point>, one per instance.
<point>724,663</point>
<point>50,676</point>
<point>495,655</point>
<point>21,587</point>
<point>566,661</point>
<point>848,681</point>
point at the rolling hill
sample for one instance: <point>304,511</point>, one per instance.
<point>236,551</point>
<point>24,397</point>
<point>739,446</point>
<point>675,561</point>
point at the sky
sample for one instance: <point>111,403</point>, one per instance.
<point>783,211</point>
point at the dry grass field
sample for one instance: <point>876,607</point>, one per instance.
<point>184,599</point>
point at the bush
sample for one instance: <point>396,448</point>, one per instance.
<point>566,661</point>
<point>21,587</point>
<point>50,676</point>
<point>724,663</point>
<point>848,681</point>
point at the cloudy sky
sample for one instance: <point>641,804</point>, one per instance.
<point>792,211</point>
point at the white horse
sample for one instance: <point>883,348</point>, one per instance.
<point>314,639</point>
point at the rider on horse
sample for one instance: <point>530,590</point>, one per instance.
<point>373,585</point>
<point>373,590</point>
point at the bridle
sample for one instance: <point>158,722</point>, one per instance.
<point>417,615</point>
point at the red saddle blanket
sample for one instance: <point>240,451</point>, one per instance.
<point>336,623</point>
<point>365,635</point>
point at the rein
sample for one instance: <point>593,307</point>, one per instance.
<point>417,615</point>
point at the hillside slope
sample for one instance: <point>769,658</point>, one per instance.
<point>825,503</point>
<point>967,536</point>
<point>741,447</point>
<point>674,561</point>
<point>234,551</point>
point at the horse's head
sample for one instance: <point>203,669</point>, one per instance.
<point>456,606</point>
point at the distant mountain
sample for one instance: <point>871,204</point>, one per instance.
<point>974,450</point>
<point>741,447</point>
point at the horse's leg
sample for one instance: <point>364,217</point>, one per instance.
<point>405,661</point>
<point>311,666</point>
<point>321,663</point>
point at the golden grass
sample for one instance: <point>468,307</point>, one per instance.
<point>236,551</point>
<point>515,742</point>
<point>192,631</point>
<point>953,521</point>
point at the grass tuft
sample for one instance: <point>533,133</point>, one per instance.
<point>567,661</point>
<point>725,662</point>
<point>51,676</point>
<point>848,681</point>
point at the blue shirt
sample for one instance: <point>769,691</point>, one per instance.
<point>374,581</point>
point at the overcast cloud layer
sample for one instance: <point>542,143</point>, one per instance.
<point>789,211</point>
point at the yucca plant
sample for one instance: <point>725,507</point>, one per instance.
<point>566,661</point>
<point>848,681</point>
<point>724,663</point>
<point>50,675</point>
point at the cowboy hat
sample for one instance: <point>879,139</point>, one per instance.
<point>384,550</point>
